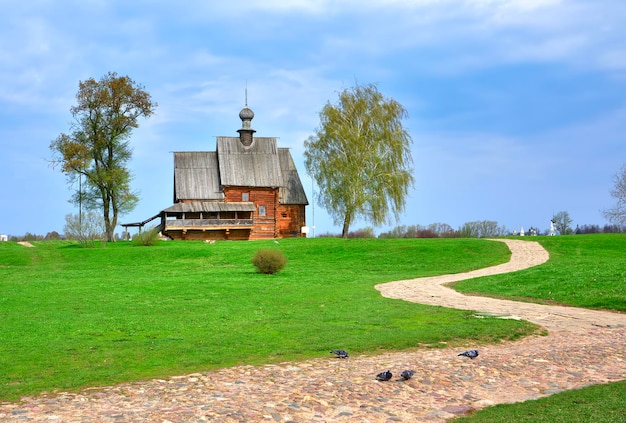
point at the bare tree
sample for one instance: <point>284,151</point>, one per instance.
<point>617,214</point>
<point>482,229</point>
<point>86,228</point>
<point>562,223</point>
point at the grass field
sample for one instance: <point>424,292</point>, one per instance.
<point>75,317</point>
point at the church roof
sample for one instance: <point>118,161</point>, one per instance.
<point>196,176</point>
<point>253,166</point>
<point>259,163</point>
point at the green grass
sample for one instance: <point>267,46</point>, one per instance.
<point>75,317</point>
<point>597,404</point>
<point>583,271</point>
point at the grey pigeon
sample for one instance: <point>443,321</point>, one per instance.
<point>384,376</point>
<point>470,353</point>
<point>340,353</point>
<point>407,374</point>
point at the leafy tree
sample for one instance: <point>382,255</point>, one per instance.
<point>360,157</point>
<point>617,214</point>
<point>562,223</point>
<point>97,150</point>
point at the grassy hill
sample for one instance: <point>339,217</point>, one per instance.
<point>75,317</point>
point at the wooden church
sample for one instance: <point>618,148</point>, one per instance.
<point>247,189</point>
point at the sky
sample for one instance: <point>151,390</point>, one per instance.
<point>516,108</point>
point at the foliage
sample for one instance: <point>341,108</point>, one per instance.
<point>617,214</point>
<point>562,223</point>
<point>598,404</point>
<point>269,260</point>
<point>97,148</point>
<point>148,237</point>
<point>190,306</point>
<point>85,229</point>
<point>583,271</point>
<point>360,157</point>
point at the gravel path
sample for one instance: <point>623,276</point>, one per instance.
<point>583,347</point>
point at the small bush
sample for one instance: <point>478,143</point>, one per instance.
<point>269,261</point>
<point>147,238</point>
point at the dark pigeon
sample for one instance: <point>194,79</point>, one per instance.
<point>471,354</point>
<point>384,376</point>
<point>407,374</point>
<point>340,353</point>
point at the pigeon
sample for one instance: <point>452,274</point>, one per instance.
<point>407,374</point>
<point>384,376</point>
<point>470,353</point>
<point>340,353</point>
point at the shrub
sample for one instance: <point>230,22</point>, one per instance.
<point>147,238</point>
<point>269,261</point>
<point>87,228</point>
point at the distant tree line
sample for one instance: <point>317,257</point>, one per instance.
<point>475,229</point>
<point>480,229</point>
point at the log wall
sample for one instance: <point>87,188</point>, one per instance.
<point>264,227</point>
<point>291,219</point>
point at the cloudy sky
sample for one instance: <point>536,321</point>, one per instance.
<point>517,108</point>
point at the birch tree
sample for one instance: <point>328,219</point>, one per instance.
<point>360,157</point>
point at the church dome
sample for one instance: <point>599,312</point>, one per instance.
<point>246,114</point>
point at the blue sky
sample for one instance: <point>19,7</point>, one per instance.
<point>517,108</point>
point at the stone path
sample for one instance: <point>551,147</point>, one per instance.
<point>583,347</point>
<point>525,254</point>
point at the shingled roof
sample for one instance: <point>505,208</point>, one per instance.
<point>196,176</point>
<point>292,191</point>
<point>257,162</point>
<point>256,165</point>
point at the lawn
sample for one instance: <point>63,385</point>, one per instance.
<point>597,404</point>
<point>584,271</point>
<point>75,317</point>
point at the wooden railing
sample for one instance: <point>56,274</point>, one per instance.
<point>207,223</point>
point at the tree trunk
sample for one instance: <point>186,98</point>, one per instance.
<point>346,226</point>
<point>109,227</point>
